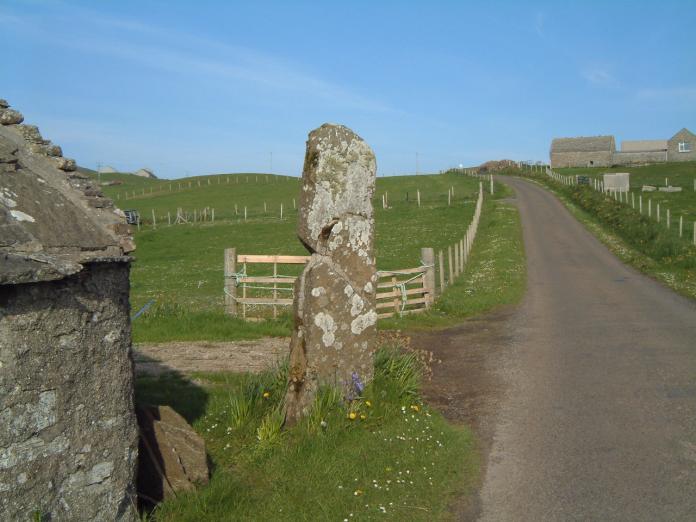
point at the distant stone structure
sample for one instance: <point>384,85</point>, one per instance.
<point>600,151</point>
<point>145,173</point>
<point>335,313</point>
<point>106,169</point>
<point>496,165</point>
<point>595,151</point>
<point>68,433</point>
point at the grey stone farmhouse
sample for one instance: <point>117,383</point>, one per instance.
<point>68,433</point>
<point>600,151</point>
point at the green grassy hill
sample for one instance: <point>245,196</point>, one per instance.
<point>184,263</point>
<point>677,174</point>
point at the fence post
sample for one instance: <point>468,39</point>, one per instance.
<point>450,266</point>
<point>461,256</point>
<point>230,282</point>
<point>456,259</point>
<point>428,260</point>
<point>442,271</point>
<point>681,225</point>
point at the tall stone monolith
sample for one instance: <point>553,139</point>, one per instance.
<point>335,317</point>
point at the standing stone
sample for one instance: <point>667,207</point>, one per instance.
<point>335,317</point>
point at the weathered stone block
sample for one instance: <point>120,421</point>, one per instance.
<point>10,117</point>
<point>173,456</point>
<point>66,164</point>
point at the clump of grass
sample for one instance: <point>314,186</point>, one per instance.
<point>240,409</point>
<point>402,371</point>
<point>270,431</point>
<point>328,401</point>
<point>392,453</point>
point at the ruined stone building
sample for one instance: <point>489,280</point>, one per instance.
<point>600,151</point>
<point>68,434</point>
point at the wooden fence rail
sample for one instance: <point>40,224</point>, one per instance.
<point>399,292</point>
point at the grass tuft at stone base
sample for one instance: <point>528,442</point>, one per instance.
<point>382,456</point>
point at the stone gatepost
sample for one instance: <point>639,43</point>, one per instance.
<point>335,317</point>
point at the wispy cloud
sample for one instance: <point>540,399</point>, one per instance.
<point>160,48</point>
<point>599,76</point>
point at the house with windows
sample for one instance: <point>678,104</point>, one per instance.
<point>600,151</point>
<point>682,146</point>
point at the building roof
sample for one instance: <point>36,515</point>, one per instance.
<point>583,144</point>
<point>53,219</point>
<point>643,145</point>
<point>683,134</point>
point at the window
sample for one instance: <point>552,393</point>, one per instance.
<point>684,146</point>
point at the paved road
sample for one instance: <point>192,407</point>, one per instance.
<point>598,417</point>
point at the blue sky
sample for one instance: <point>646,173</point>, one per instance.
<point>203,87</point>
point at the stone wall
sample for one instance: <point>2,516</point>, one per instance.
<point>581,159</point>
<point>639,158</point>
<point>68,436</point>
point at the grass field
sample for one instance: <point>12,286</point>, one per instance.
<point>495,274</point>
<point>394,460</point>
<point>677,174</point>
<point>180,266</point>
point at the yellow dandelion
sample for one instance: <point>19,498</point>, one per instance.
<point>368,404</point>
<point>352,415</point>
<point>357,492</point>
<point>415,407</point>
<point>363,416</point>
<point>266,395</point>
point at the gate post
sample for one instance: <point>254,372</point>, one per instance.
<point>428,259</point>
<point>230,282</point>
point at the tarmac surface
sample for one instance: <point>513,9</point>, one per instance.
<point>594,416</point>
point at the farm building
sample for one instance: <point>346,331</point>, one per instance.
<point>595,151</point>
<point>682,146</point>
<point>68,433</point>
<point>145,173</point>
<point>601,151</point>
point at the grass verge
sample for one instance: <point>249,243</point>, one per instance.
<point>635,239</point>
<point>495,274</point>
<point>382,456</point>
